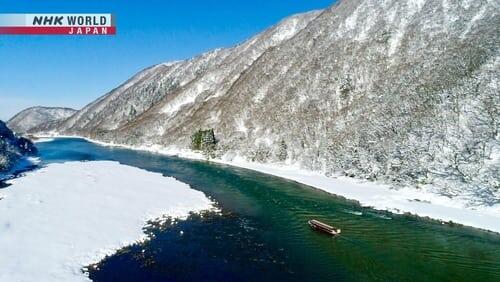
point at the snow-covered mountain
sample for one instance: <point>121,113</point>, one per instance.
<point>180,83</point>
<point>34,116</point>
<point>404,92</point>
<point>13,148</point>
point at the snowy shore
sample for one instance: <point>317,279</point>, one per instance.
<point>420,202</point>
<point>62,217</point>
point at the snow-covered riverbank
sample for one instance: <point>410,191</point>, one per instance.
<point>62,217</point>
<point>421,202</point>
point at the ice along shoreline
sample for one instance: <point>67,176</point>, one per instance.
<point>421,203</point>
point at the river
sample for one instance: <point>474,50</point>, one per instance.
<point>261,233</point>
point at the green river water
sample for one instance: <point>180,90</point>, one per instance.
<point>262,232</point>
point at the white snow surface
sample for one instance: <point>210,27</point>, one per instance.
<point>417,201</point>
<point>42,140</point>
<point>60,218</point>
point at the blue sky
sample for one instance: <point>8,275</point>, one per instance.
<point>73,71</point>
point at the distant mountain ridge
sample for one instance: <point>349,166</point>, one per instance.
<point>35,116</point>
<point>404,92</point>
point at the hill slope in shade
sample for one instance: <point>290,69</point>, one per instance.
<point>35,116</point>
<point>404,92</point>
<point>13,148</point>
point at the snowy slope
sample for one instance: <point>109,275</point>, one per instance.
<point>35,116</point>
<point>179,83</point>
<point>52,226</point>
<point>403,92</point>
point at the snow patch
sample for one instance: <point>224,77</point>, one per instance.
<point>367,25</point>
<point>474,19</point>
<point>397,37</point>
<point>41,140</point>
<point>240,125</point>
<point>286,30</point>
<point>350,22</point>
<point>260,93</point>
<point>415,6</point>
<point>58,219</point>
<point>189,96</point>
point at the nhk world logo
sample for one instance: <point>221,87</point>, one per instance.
<point>63,24</point>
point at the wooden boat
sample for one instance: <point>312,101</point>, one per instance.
<point>323,227</point>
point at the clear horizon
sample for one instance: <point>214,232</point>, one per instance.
<point>68,71</point>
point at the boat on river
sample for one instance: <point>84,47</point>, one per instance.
<point>323,227</point>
